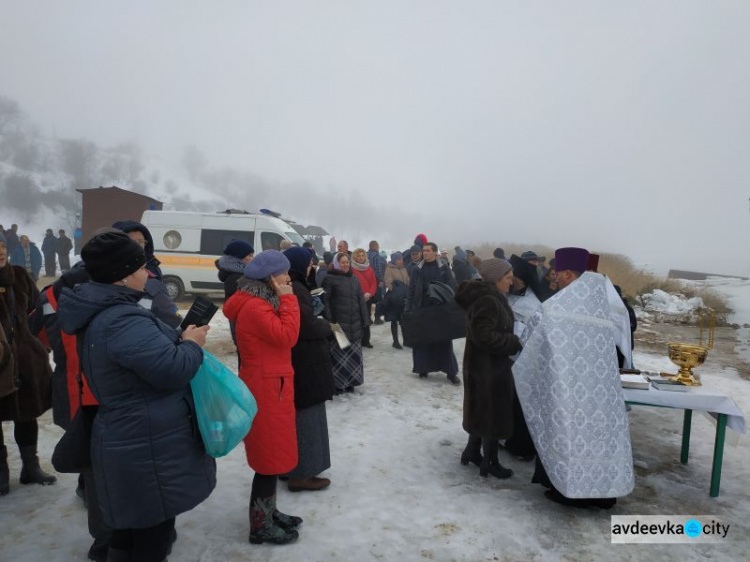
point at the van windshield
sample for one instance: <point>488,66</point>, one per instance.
<point>296,238</point>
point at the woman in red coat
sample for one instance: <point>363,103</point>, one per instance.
<point>266,317</point>
<point>365,274</point>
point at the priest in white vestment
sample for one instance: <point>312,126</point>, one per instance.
<point>568,383</point>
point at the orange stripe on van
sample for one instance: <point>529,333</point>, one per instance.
<point>186,262</point>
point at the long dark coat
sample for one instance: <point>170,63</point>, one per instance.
<point>30,371</point>
<point>488,380</point>
<point>147,454</point>
<point>345,303</point>
<point>437,356</point>
<point>311,357</point>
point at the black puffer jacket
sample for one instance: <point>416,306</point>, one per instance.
<point>311,357</point>
<point>488,379</point>
<point>345,303</point>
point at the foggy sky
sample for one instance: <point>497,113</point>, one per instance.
<point>620,126</point>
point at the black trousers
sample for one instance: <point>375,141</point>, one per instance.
<point>64,260</point>
<point>25,432</point>
<point>145,545</point>
<point>366,329</point>
<point>50,267</point>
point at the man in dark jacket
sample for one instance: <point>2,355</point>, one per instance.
<point>11,238</point>
<point>436,356</point>
<point>63,247</point>
<point>415,258</point>
<point>49,252</point>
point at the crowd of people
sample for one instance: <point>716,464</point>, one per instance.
<point>301,324</point>
<point>25,253</point>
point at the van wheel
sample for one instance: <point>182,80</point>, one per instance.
<point>175,288</point>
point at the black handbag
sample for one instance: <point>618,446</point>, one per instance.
<point>433,324</point>
<point>72,453</point>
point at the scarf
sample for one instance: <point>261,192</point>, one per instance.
<point>259,289</point>
<point>361,266</point>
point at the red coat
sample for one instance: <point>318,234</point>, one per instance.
<point>367,280</point>
<point>265,338</point>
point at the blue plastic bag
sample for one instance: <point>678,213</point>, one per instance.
<point>224,405</point>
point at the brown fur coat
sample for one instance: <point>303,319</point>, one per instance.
<point>488,380</point>
<point>29,371</point>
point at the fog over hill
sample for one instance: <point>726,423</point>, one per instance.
<point>621,127</point>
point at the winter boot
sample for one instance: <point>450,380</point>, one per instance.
<point>263,528</point>
<point>283,520</point>
<point>31,472</point>
<point>99,551</point>
<point>313,484</point>
<point>490,464</point>
<point>4,471</point>
<point>472,452</point>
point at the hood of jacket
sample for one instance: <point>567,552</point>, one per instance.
<point>78,306</point>
<point>469,292</point>
<point>228,265</point>
<point>152,264</point>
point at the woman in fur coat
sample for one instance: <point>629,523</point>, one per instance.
<point>488,380</point>
<point>25,375</point>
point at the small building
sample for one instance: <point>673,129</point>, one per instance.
<point>104,206</point>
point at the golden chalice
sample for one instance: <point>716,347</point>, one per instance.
<point>686,356</point>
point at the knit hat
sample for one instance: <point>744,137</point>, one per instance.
<point>415,249</point>
<point>420,240</point>
<point>266,264</point>
<point>529,255</point>
<point>112,256</point>
<point>499,253</point>
<point>238,249</point>
<point>573,259</point>
<point>494,269</point>
<point>396,256</point>
<point>299,258</point>
<point>328,258</point>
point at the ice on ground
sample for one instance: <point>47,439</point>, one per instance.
<point>399,493</point>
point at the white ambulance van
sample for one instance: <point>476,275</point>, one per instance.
<point>188,244</point>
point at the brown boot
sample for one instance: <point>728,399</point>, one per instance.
<point>312,484</point>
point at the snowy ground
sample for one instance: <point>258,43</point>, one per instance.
<point>399,492</point>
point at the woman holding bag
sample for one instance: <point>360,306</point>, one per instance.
<point>147,456</point>
<point>267,324</point>
<point>345,306</point>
